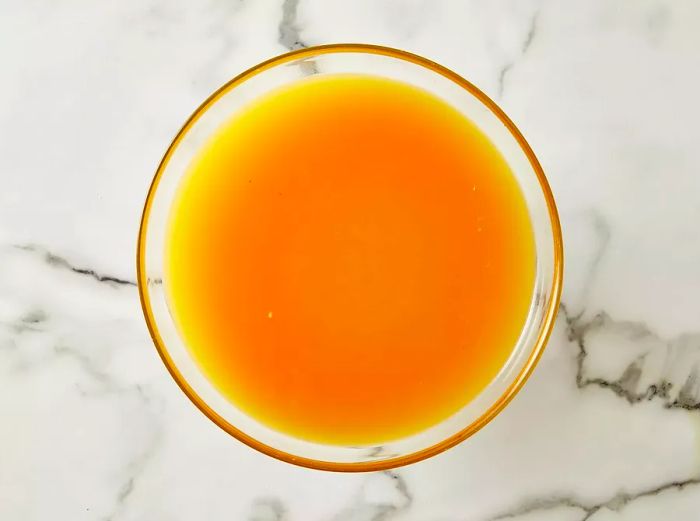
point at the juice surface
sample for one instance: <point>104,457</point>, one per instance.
<point>349,260</point>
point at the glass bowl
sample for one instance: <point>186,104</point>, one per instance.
<point>398,65</point>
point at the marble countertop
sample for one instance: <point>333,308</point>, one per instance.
<point>93,428</point>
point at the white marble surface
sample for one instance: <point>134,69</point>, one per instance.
<point>92,427</point>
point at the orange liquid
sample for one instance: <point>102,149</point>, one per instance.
<point>350,260</point>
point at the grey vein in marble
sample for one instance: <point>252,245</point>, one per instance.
<point>616,503</point>
<point>137,466</point>
<point>524,48</point>
<point>60,262</point>
<point>88,366</point>
<point>362,508</point>
<point>289,32</point>
<point>290,35</point>
<point>603,233</point>
<point>34,317</point>
<point>29,322</point>
<point>626,386</point>
<point>402,489</point>
<point>268,509</point>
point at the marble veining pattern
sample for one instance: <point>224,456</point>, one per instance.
<point>608,427</point>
